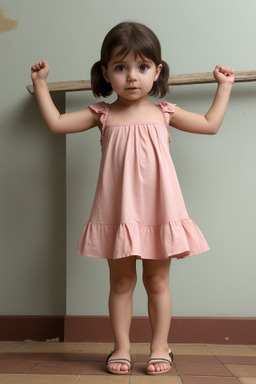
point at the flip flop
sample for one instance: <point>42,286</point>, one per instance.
<point>161,360</point>
<point>122,361</point>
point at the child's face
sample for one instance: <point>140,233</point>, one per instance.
<point>131,77</point>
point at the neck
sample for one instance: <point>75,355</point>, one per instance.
<point>131,103</point>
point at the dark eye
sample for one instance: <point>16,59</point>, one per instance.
<point>119,68</point>
<point>143,67</point>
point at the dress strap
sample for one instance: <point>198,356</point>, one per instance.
<point>167,109</point>
<point>101,108</point>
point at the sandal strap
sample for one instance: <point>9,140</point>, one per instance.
<point>155,360</point>
<point>107,359</point>
<point>126,361</point>
<point>161,360</point>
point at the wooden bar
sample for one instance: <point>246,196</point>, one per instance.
<point>186,79</point>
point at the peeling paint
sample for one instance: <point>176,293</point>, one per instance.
<point>7,24</point>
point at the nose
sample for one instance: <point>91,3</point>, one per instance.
<point>131,76</point>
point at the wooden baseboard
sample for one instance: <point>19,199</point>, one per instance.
<point>39,328</point>
<point>208,330</point>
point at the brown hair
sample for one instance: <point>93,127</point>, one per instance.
<point>142,41</point>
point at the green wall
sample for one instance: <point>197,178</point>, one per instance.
<point>48,181</point>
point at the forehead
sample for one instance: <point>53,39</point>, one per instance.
<point>121,54</point>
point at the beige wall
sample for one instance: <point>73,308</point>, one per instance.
<point>38,275</point>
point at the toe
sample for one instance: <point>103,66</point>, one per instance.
<point>164,366</point>
<point>117,367</point>
<point>124,367</point>
<point>157,367</point>
<point>151,368</point>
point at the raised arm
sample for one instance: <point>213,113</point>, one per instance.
<point>211,122</point>
<point>56,122</point>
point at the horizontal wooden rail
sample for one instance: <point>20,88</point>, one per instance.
<point>190,78</point>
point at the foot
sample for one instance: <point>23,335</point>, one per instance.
<point>159,363</point>
<point>118,362</point>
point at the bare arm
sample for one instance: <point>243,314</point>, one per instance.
<point>56,122</point>
<point>211,122</point>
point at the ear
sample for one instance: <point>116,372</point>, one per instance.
<point>158,70</point>
<point>105,73</point>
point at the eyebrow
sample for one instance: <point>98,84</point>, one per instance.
<point>122,61</point>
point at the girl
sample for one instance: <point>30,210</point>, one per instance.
<point>138,209</point>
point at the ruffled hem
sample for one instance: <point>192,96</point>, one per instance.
<point>175,239</point>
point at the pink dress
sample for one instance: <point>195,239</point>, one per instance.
<point>138,207</point>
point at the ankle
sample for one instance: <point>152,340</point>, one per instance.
<point>125,347</point>
<point>159,347</point>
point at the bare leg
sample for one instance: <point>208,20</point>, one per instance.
<point>156,282</point>
<point>122,283</point>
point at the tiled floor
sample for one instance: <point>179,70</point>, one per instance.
<point>83,363</point>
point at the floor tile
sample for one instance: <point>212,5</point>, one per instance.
<point>141,358</point>
<point>242,370</point>
<point>103,348</point>
<point>94,368</point>
<point>247,380</point>
<point>205,359</point>
<point>14,366</point>
<point>36,347</point>
<point>231,350</point>
<point>202,369</point>
<point>239,360</point>
<point>209,380</point>
<point>85,347</point>
<point>24,356</point>
<point>37,379</point>
<point>79,357</point>
<point>6,346</point>
<point>138,369</point>
<point>155,380</point>
<point>143,348</point>
<point>58,367</point>
<point>82,363</point>
<point>110,379</point>
<point>190,349</point>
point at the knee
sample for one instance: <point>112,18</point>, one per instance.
<point>123,283</point>
<point>155,283</point>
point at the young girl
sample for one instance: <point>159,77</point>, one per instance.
<point>138,210</point>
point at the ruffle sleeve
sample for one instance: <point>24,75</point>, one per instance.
<point>167,109</point>
<point>101,108</point>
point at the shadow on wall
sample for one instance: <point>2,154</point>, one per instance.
<point>33,217</point>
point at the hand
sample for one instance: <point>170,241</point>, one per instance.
<point>40,70</point>
<point>224,74</point>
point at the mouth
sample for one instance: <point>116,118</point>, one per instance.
<point>132,88</point>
